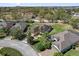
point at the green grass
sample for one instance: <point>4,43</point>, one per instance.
<point>42,43</point>
<point>40,39</point>
<point>7,51</point>
<point>59,28</point>
<point>72,53</point>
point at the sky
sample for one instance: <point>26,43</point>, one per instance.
<point>38,4</point>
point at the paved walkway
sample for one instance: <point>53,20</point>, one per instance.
<point>24,48</point>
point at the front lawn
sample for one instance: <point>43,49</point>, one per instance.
<point>7,51</point>
<point>72,52</point>
<point>58,27</point>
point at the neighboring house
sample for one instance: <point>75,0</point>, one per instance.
<point>37,29</point>
<point>21,25</point>
<point>34,16</point>
<point>45,28</point>
<point>77,26</point>
<point>64,40</point>
<point>6,24</point>
<point>10,24</point>
<point>76,14</point>
<point>28,15</point>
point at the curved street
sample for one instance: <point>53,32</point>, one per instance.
<point>24,48</point>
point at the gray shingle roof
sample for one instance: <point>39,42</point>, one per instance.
<point>66,39</point>
<point>22,25</point>
<point>45,28</point>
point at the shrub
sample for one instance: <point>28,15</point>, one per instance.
<point>21,36</point>
<point>39,46</point>
<point>6,30</point>
<point>17,34</point>
<point>48,45</point>
<point>30,39</point>
<point>73,46</point>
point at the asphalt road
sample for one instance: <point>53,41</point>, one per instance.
<point>24,48</point>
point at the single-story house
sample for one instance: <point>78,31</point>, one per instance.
<point>64,40</point>
<point>76,14</point>
<point>34,16</point>
<point>37,29</point>
<point>6,24</point>
<point>10,24</point>
<point>21,25</point>
<point>45,28</point>
<point>77,26</point>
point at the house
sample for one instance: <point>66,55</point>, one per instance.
<point>77,26</point>
<point>37,29</point>
<point>6,24</point>
<point>45,28</point>
<point>21,25</point>
<point>10,24</point>
<point>64,40</point>
<point>28,15</point>
<point>76,14</point>
<point>34,16</point>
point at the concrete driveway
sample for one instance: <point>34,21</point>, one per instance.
<point>24,48</point>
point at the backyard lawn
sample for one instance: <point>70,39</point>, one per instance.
<point>58,27</point>
<point>6,51</point>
